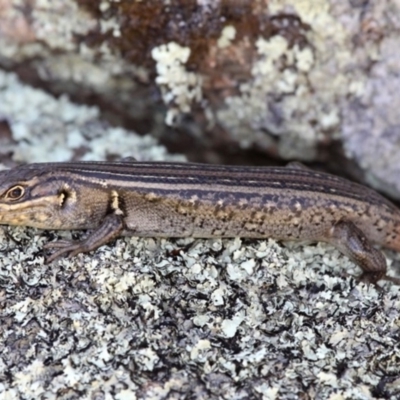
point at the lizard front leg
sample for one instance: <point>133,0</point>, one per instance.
<point>110,229</point>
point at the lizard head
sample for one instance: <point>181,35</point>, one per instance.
<point>34,195</point>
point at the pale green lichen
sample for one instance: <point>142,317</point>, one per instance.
<point>50,36</point>
<point>72,128</point>
<point>179,87</point>
<point>52,24</point>
<point>227,35</point>
<point>293,91</point>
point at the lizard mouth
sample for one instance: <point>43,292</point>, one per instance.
<point>29,215</point>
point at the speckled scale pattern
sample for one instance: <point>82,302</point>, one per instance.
<point>280,214</point>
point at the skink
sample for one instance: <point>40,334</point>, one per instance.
<point>164,199</point>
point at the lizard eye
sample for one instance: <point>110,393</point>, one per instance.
<point>15,193</point>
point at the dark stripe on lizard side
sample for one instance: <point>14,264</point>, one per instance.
<point>125,175</point>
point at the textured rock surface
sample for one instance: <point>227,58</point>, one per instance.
<point>288,78</point>
<point>177,319</point>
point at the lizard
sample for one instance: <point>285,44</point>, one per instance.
<point>169,199</point>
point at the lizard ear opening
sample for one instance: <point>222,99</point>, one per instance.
<point>65,195</point>
<point>15,193</point>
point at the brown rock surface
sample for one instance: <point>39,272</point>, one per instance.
<point>288,78</point>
